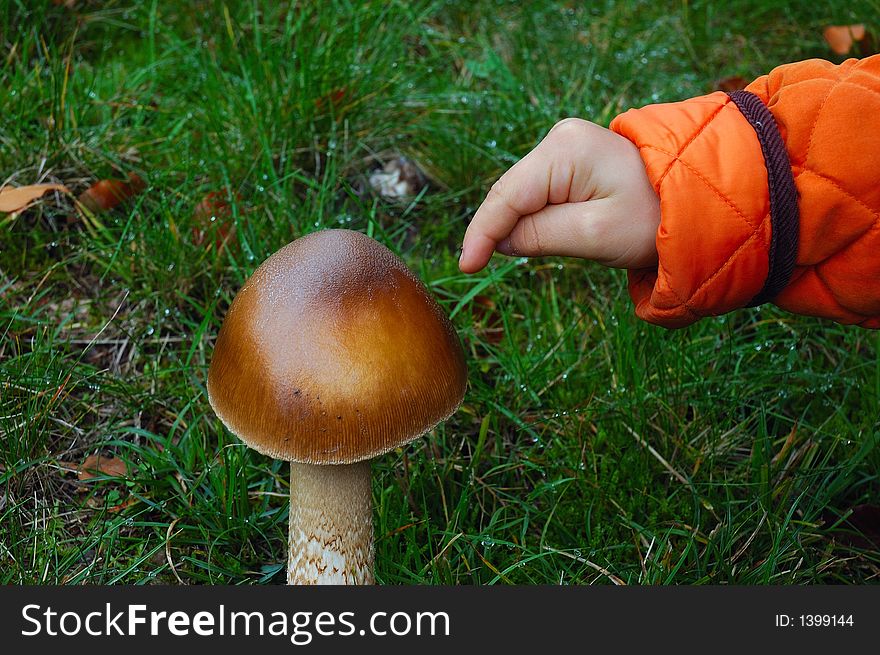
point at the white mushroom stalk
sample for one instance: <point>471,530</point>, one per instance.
<point>331,524</point>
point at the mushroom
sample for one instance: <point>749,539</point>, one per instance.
<point>333,353</point>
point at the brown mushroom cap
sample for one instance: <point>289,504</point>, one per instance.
<point>334,352</point>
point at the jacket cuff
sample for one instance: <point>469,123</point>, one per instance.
<point>705,162</point>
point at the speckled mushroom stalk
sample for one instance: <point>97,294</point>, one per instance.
<point>331,354</point>
<point>331,524</point>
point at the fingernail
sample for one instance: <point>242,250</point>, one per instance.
<point>504,247</point>
<point>461,255</point>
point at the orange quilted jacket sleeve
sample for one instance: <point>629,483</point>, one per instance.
<point>706,164</point>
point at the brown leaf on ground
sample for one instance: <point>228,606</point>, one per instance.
<point>107,194</point>
<point>487,321</point>
<point>840,38</point>
<point>213,216</point>
<point>399,179</point>
<point>332,99</point>
<point>95,465</point>
<point>15,199</point>
<point>125,504</point>
<point>732,83</point>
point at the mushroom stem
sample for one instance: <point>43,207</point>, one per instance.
<point>331,524</point>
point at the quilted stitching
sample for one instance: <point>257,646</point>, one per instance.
<point>677,156</point>
<point>726,199</point>
<point>843,246</point>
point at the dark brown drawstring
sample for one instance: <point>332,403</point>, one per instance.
<point>784,217</point>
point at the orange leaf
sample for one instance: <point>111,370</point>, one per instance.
<point>128,502</point>
<point>332,99</point>
<point>107,194</point>
<point>14,199</point>
<point>733,83</point>
<point>96,465</point>
<point>840,38</point>
<point>487,321</point>
<point>213,214</point>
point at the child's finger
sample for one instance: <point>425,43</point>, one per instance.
<point>522,190</point>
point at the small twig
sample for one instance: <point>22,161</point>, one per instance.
<point>644,561</point>
<point>678,476</point>
<point>101,331</point>
<point>255,494</point>
<point>442,551</point>
<point>608,574</point>
<point>168,538</point>
<point>749,541</point>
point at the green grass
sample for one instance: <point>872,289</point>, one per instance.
<point>590,448</point>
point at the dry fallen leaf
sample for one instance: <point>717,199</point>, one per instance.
<point>125,504</point>
<point>107,194</point>
<point>333,99</point>
<point>840,38</point>
<point>213,216</point>
<point>95,465</point>
<point>399,179</point>
<point>732,83</point>
<point>487,321</point>
<point>15,199</point>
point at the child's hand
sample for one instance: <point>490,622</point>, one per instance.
<point>582,192</point>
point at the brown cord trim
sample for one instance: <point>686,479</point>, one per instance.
<point>784,215</point>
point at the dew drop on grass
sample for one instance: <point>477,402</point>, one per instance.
<point>150,330</point>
